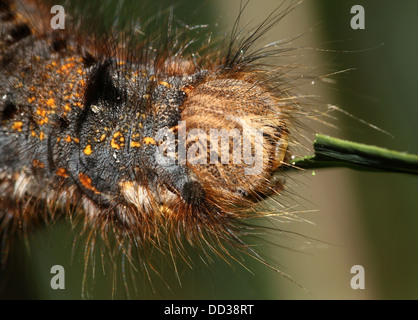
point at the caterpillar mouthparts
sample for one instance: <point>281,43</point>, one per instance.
<point>136,134</point>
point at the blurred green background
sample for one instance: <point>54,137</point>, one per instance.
<point>359,218</point>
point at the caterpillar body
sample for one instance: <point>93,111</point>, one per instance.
<point>88,122</point>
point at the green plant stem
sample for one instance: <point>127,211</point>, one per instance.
<point>333,152</point>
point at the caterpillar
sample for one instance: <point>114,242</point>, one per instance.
<point>136,135</point>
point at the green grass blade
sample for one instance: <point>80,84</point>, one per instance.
<point>333,152</point>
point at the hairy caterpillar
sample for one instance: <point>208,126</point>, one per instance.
<point>92,141</point>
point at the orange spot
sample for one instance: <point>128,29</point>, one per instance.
<point>68,138</point>
<point>114,145</point>
<point>135,144</point>
<point>149,140</point>
<point>43,121</point>
<point>102,137</point>
<point>87,182</point>
<point>31,99</point>
<point>41,112</point>
<point>67,66</point>
<point>17,126</point>
<point>51,103</point>
<point>117,144</point>
<point>187,89</point>
<point>165,84</point>
<point>41,136</point>
<point>87,150</point>
<point>61,172</point>
<point>38,164</point>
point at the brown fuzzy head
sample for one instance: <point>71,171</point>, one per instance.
<point>193,154</point>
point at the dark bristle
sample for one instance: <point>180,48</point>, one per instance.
<point>100,86</point>
<point>63,123</point>
<point>88,59</point>
<point>59,42</point>
<point>20,32</point>
<point>8,111</point>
